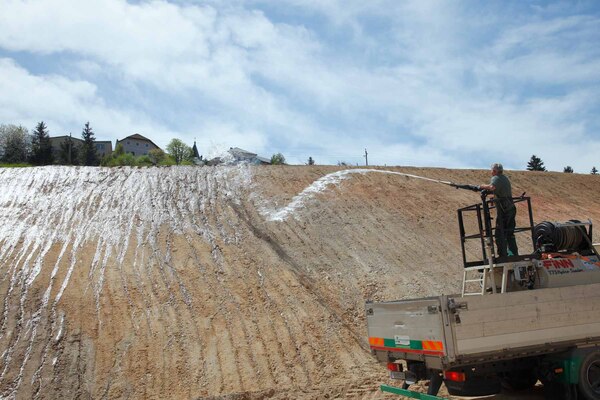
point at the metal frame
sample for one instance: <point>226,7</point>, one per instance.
<point>486,231</point>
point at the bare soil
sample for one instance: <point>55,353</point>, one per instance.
<point>181,287</point>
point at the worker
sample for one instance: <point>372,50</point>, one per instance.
<point>505,211</point>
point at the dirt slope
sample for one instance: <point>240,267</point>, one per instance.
<point>229,282</point>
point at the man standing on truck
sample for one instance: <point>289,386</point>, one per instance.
<point>505,211</point>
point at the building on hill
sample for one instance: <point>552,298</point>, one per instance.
<point>241,155</point>
<point>197,157</point>
<point>137,144</point>
<point>103,148</point>
<point>56,142</point>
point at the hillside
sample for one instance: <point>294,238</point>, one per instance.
<point>225,282</point>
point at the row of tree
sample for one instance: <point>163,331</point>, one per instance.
<point>18,146</point>
<point>536,164</point>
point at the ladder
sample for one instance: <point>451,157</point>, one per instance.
<point>477,279</point>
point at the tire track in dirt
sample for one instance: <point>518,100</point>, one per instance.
<point>296,268</point>
<point>308,283</point>
<point>235,322</point>
<point>282,296</point>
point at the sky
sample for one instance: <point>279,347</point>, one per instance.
<point>454,84</point>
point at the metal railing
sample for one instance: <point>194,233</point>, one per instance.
<point>485,234</point>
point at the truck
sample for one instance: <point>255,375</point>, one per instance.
<point>518,320</point>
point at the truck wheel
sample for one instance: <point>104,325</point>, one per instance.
<point>518,380</point>
<point>589,376</point>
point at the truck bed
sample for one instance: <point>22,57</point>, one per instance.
<point>454,330</point>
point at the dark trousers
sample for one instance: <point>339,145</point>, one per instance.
<point>505,229</point>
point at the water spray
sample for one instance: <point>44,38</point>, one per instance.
<point>334,178</point>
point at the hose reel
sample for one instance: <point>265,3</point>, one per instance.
<point>554,236</point>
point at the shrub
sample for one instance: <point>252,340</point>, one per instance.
<point>167,161</point>
<point>144,161</point>
<point>277,159</point>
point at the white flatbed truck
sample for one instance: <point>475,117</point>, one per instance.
<point>518,320</point>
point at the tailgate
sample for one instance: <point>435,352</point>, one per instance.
<point>407,326</point>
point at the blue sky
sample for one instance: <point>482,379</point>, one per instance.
<point>455,84</point>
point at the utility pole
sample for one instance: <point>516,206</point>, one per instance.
<point>70,144</point>
<point>366,158</point>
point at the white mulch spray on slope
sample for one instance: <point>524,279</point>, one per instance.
<point>69,207</point>
<point>74,205</point>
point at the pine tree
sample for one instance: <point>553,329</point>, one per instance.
<point>568,169</point>
<point>535,164</point>
<point>311,161</point>
<point>69,152</point>
<point>88,151</point>
<point>41,150</point>
<point>594,171</point>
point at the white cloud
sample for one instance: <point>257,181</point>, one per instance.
<point>65,105</point>
<point>555,51</point>
<point>52,95</point>
<point>147,41</point>
<point>420,82</point>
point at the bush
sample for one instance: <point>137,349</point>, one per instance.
<point>119,160</point>
<point>167,161</point>
<point>156,156</point>
<point>277,159</point>
<point>144,161</point>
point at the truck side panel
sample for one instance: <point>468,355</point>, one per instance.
<point>525,319</point>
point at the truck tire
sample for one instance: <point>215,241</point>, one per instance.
<point>589,376</point>
<point>518,380</point>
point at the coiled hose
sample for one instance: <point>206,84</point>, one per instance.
<point>555,237</point>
